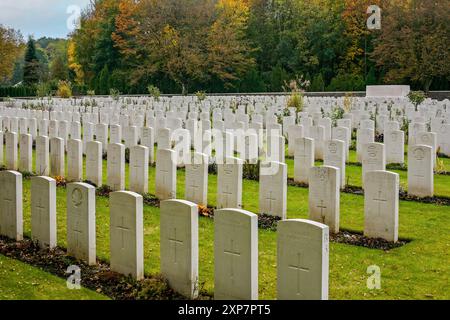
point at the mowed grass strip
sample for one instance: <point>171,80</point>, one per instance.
<point>20,281</point>
<point>418,270</point>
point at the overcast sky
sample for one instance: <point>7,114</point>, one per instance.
<point>41,17</point>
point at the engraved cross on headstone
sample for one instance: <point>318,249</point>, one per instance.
<point>175,242</point>
<point>40,208</point>
<point>226,193</point>
<point>271,199</point>
<point>232,252</point>
<point>380,200</point>
<point>299,269</point>
<point>122,228</point>
<point>322,207</point>
<point>194,185</point>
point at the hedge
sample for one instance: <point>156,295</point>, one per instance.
<point>17,91</point>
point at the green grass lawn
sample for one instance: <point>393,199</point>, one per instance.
<point>20,281</point>
<point>418,270</point>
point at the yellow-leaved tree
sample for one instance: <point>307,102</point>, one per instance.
<point>229,51</point>
<point>11,46</point>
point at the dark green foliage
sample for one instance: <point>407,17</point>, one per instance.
<point>31,68</point>
<point>251,171</point>
<point>20,91</point>
<point>317,85</point>
<point>347,82</point>
<point>371,77</point>
<point>103,81</point>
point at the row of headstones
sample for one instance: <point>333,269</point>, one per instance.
<point>420,169</point>
<point>272,182</point>
<point>307,127</point>
<point>240,119</point>
<point>421,161</point>
<point>428,108</point>
<point>302,251</point>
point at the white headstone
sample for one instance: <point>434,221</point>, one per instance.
<point>318,134</point>
<point>302,260</point>
<point>11,207</point>
<point>127,233</point>
<point>11,150</point>
<point>381,205</point>
<point>131,136</point>
<point>324,196</point>
<point>116,166</point>
<point>166,174</point>
<point>334,156</point>
<point>303,159</point>
<point>363,136</point>
<point>235,255</point>
<point>273,189</point>
<point>343,134</point>
<point>294,132</point>
<point>43,211</point>
<point>196,187</point>
<point>57,162</point>
<point>275,148</point>
<point>26,153</point>
<point>42,156</point>
<point>428,139</point>
<point>148,140</point>
<point>81,234</point>
<point>373,159</point>
<point>395,146</point>
<point>115,133</point>
<point>94,163</point>
<point>139,169</point>
<point>229,183</point>
<point>179,246</point>
<point>74,160</point>
<point>420,171</point>
<point>164,139</point>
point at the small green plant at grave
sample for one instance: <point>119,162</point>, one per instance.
<point>9,102</point>
<point>43,90</point>
<point>251,170</point>
<point>348,102</point>
<point>115,94</point>
<point>201,95</point>
<point>27,175</point>
<point>297,88</point>
<point>440,166</point>
<point>279,118</point>
<point>405,126</point>
<point>154,92</point>
<point>336,114</point>
<point>233,106</point>
<point>286,112</point>
<point>416,98</point>
<point>64,89</point>
<point>91,93</point>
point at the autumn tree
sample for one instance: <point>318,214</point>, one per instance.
<point>73,65</point>
<point>228,48</point>
<point>257,45</point>
<point>414,41</point>
<point>173,36</point>
<point>359,36</point>
<point>11,45</point>
<point>93,44</point>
